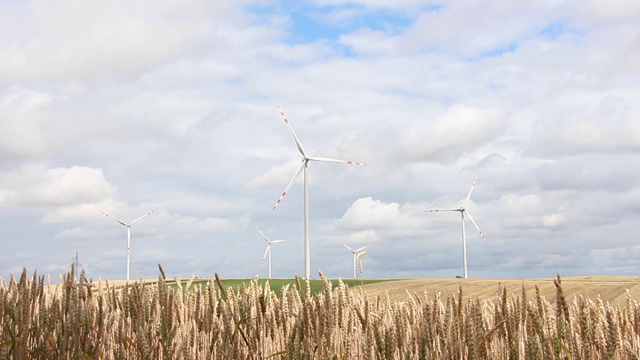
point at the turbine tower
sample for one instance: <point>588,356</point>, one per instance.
<point>303,168</point>
<point>356,255</point>
<point>462,210</point>
<point>268,250</point>
<point>128,233</point>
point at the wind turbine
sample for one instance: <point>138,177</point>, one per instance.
<point>268,250</point>
<point>462,210</point>
<point>128,233</point>
<point>356,254</point>
<point>359,258</point>
<point>303,167</point>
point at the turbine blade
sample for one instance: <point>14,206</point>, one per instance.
<point>364,247</point>
<point>281,240</point>
<point>325,159</point>
<point>289,186</point>
<point>261,233</point>
<point>265,255</point>
<point>109,216</point>
<point>470,191</point>
<point>476,225</point>
<point>359,258</point>
<point>295,138</point>
<point>347,246</point>
<point>437,210</point>
<point>140,218</point>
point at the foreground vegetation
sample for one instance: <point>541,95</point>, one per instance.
<point>82,320</point>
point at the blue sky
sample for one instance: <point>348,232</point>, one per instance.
<point>174,107</point>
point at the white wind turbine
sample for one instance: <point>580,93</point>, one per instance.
<point>356,255</point>
<point>462,210</point>
<point>303,167</point>
<point>268,250</point>
<point>128,233</point>
<point>359,258</point>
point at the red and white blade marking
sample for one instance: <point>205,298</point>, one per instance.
<point>293,134</point>
<point>290,185</point>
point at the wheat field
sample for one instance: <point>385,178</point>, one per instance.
<point>611,289</point>
<point>79,319</point>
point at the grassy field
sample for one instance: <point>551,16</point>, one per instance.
<point>276,285</point>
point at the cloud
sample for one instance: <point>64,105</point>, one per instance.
<point>126,108</point>
<point>490,28</point>
<point>609,126</point>
<point>460,129</point>
<point>74,40</point>
<point>36,185</point>
<point>367,214</point>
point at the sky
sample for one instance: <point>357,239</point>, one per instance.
<point>126,107</point>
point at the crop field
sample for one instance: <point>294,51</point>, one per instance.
<point>276,285</point>
<point>573,318</point>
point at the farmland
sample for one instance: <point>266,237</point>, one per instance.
<point>611,289</point>
<point>578,318</point>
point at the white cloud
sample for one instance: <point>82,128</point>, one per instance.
<point>83,41</point>
<point>126,108</point>
<point>460,129</point>
<point>607,126</point>
<point>367,214</point>
<point>37,185</point>
<point>487,28</point>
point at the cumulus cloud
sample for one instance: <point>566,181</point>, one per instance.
<point>369,214</point>
<point>461,128</point>
<point>126,108</point>
<point>38,185</point>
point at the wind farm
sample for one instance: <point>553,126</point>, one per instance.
<point>114,111</point>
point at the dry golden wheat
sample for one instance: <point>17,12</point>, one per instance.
<point>82,320</point>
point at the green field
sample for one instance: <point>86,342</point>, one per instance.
<point>276,285</point>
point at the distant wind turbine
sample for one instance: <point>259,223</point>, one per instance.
<point>462,211</point>
<point>359,258</point>
<point>303,167</point>
<point>356,254</point>
<point>268,250</point>
<point>128,233</point>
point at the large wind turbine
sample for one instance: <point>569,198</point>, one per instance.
<point>462,210</point>
<point>356,254</point>
<point>268,250</point>
<point>128,233</point>
<point>303,167</point>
